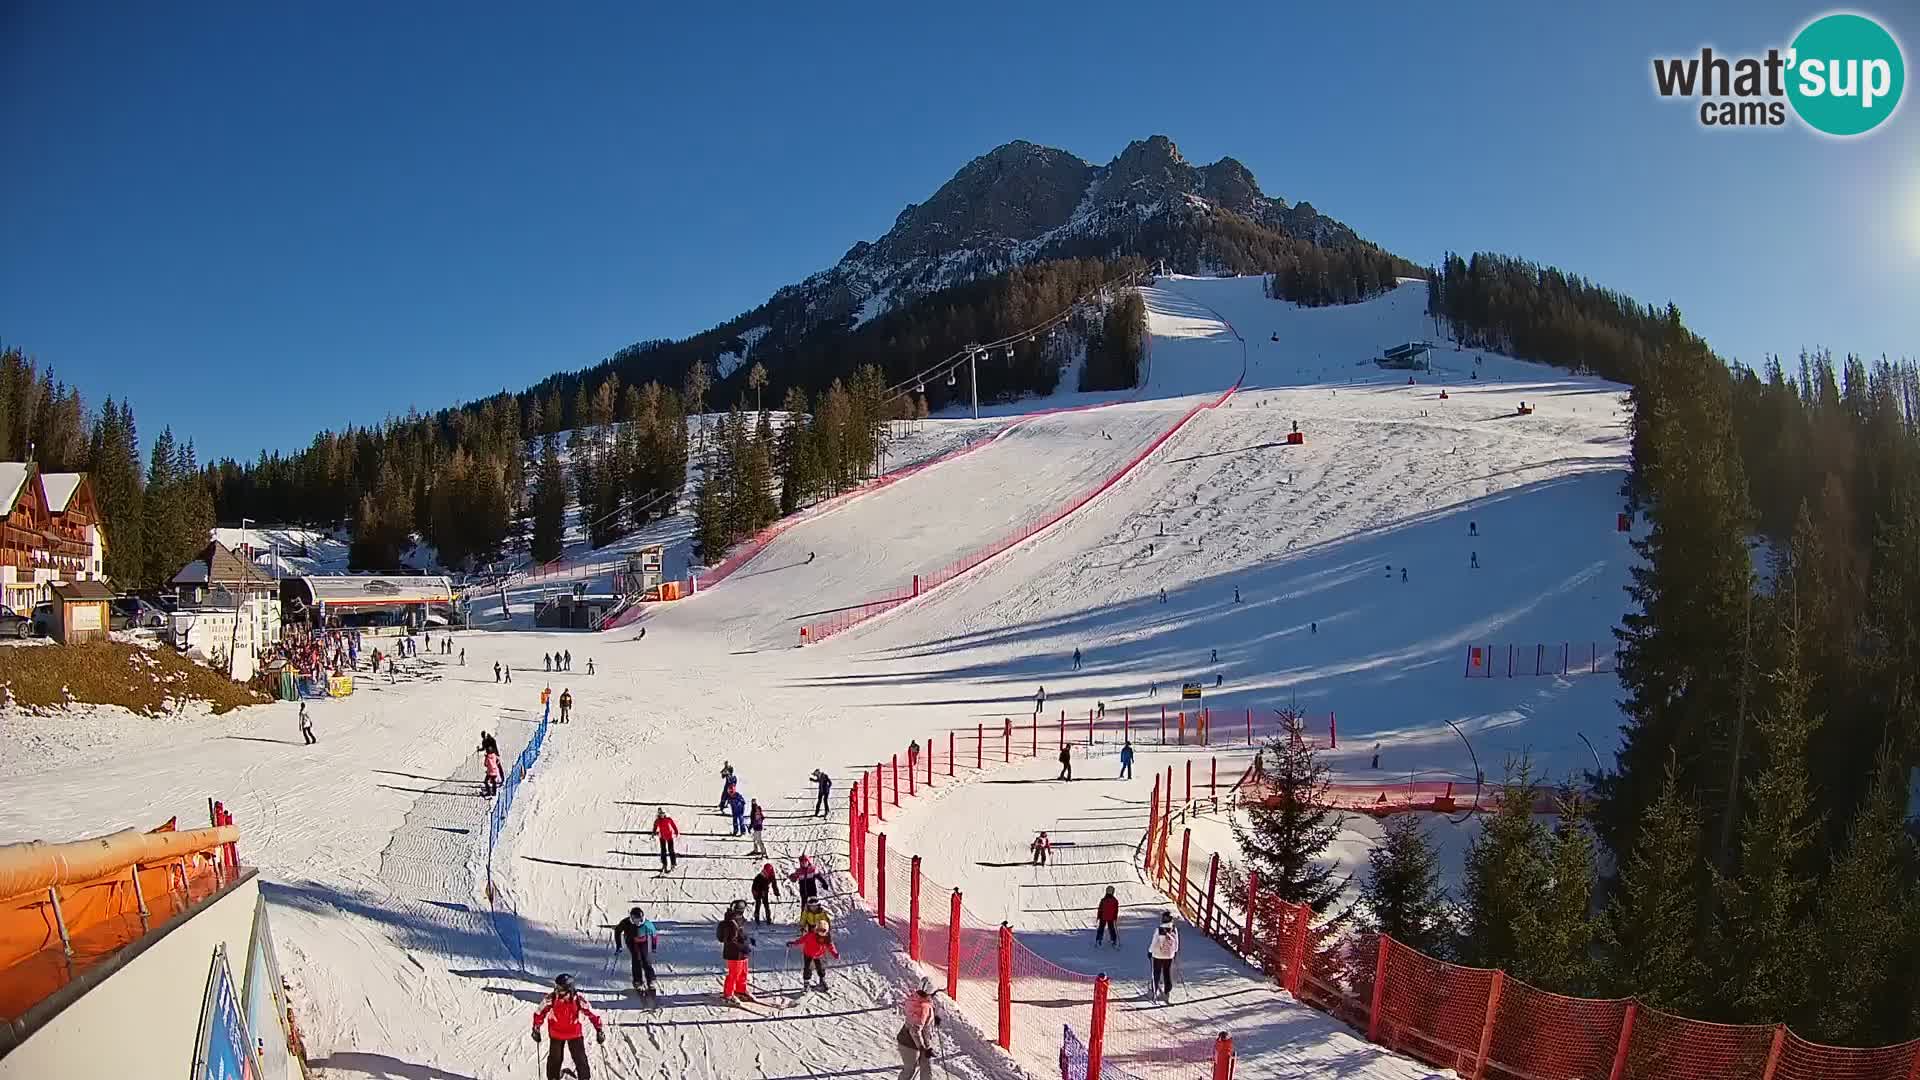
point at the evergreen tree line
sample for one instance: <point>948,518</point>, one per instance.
<point>1541,313</point>
<point>1319,276</point>
<point>41,418</point>
<point>1116,345</point>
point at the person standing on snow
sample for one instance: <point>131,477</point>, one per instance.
<point>766,884</point>
<point>736,948</point>
<point>726,784</point>
<point>1107,919</point>
<point>737,806</point>
<point>816,944</point>
<point>757,824</point>
<point>306,725</point>
<point>913,754</point>
<point>1076,658</point>
<point>547,659</point>
<point>824,784</point>
<point>589,665</point>
<point>487,743</point>
<point>496,671</point>
<point>916,1033</point>
<point>665,828</point>
<point>637,933</point>
<point>1126,761</point>
<point>567,657</point>
<point>566,705</point>
<point>1066,763</point>
<point>811,914</point>
<point>806,879</point>
<point>1162,949</point>
<point>509,672</point>
<point>495,775</point>
<point>562,1010</point>
<point>1040,846</point>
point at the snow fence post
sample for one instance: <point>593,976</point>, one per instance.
<point>1213,781</point>
<point>896,779</point>
<point>1253,899</point>
<point>1626,1040</point>
<point>1063,730</point>
<point>953,949</point>
<point>1180,733</point>
<point>1206,725</point>
<point>1033,732</point>
<point>879,796</point>
<point>880,885</point>
<point>913,913</point>
<point>1153,820</point>
<point>1333,731</point>
<point>1773,1052</point>
<point>1297,963</point>
<point>1223,1057</point>
<point>1006,741</point>
<point>1089,727</point>
<point>979,745</point>
<point>1126,723</point>
<point>1163,725</point>
<point>1486,1026</point>
<point>1097,1028</point>
<point>1186,845</point>
<point>1249,727</point>
<point>1213,879</point>
<point>910,764</point>
<point>1006,988</point>
<point>1189,780</point>
<point>1379,989</point>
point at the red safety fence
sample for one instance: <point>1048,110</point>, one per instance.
<point>933,579</point>
<point>1157,725</point>
<point>1484,1024</point>
<point>1026,1003</point>
<point>1539,659</point>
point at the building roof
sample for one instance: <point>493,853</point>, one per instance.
<point>82,590</point>
<point>227,568</point>
<point>13,478</point>
<point>60,487</point>
<point>351,589</point>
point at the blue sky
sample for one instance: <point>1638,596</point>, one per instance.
<point>261,220</point>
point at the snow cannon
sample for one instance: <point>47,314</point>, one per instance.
<point>1525,409</point>
<point>1294,437</point>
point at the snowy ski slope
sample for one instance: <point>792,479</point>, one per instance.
<point>400,975</point>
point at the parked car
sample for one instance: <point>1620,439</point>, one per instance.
<point>43,620</point>
<point>14,625</point>
<point>132,611</point>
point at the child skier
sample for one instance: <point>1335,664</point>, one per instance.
<point>665,828</point>
<point>737,804</point>
<point>736,948</point>
<point>1162,949</point>
<point>766,884</point>
<point>806,879</point>
<point>1107,919</point>
<point>757,824</point>
<point>494,774</point>
<point>812,914</point>
<point>816,944</point>
<point>562,1010</point>
<point>1040,846</point>
<point>637,933</point>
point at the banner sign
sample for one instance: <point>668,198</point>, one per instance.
<point>224,1051</point>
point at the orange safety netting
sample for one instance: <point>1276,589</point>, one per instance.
<point>88,889</point>
<point>1484,1023</point>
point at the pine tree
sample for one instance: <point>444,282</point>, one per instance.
<point>383,522</point>
<point>756,382</point>
<point>790,453</point>
<point>1650,936</point>
<point>1860,942</point>
<point>1290,828</point>
<point>1507,877</point>
<point>1561,959</point>
<point>549,503</point>
<point>1761,944</point>
<point>162,514</point>
<point>1403,894</point>
<point>113,460</point>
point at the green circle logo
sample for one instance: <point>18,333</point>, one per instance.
<point>1846,74</point>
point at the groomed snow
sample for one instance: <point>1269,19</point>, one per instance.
<point>394,978</point>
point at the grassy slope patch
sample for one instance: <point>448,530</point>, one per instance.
<point>147,681</point>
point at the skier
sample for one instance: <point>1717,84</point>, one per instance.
<point>1218,678</point>
<point>494,774</point>
<point>1163,948</point>
<point>1039,700</point>
<point>1473,528</point>
<point>811,914</point>
<point>642,940</point>
<point>463,662</point>
<point>809,556</point>
<point>1153,688</point>
<point>306,725</point>
<point>757,824</point>
<point>1107,919</point>
<point>913,754</point>
<point>1236,594</point>
<point>547,659</point>
<point>562,1010</point>
<point>1076,659</point>
<point>1126,760</point>
<point>916,1033</point>
<point>567,660</point>
<point>487,743</point>
<point>1376,755</point>
<point>566,705</point>
<point>496,671</point>
<point>1473,561</point>
<point>807,878</point>
<point>665,828</point>
<point>736,948</point>
<point>727,780</point>
<point>643,633</point>
<point>1040,846</point>
<point>737,805</point>
<point>766,885</point>
<point>1163,596</point>
<point>1403,575</point>
<point>1066,763</point>
<point>1313,628</point>
<point>1213,656</point>
<point>509,671</point>
<point>824,784</point>
<point>816,944</point>
<point>589,665</point>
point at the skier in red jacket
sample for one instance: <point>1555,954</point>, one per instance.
<point>562,1011</point>
<point>666,830</point>
<point>816,943</point>
<point>1107,919</point>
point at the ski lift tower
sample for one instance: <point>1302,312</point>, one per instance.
<point>973,376</point>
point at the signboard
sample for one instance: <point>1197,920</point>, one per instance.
<point>339,685</point>
<point>1190,691</point>
<point>83,616</point>
<point>266,1006</point>
<point>224,1051</point>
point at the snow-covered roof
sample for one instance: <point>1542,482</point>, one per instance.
<point>13,477</point>
<point>349,589</point>
<point>60,487</point>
